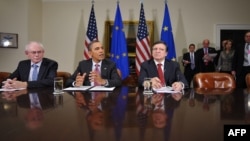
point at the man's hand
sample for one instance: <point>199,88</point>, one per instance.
<point>14,84</point>
<point>80,79</point>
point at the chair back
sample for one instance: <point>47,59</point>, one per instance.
<point>214,80</point>
<point>3,76</point>
<point>248,80</point>
<point>63,74</point>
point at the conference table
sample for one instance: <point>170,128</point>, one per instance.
<point>125,114</point>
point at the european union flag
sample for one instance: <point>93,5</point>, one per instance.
<point>167,35</point>
<point>119,53</point>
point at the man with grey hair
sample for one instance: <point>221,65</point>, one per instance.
<point>34,72</point>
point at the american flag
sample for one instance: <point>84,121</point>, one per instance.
<point>91,33</point>
<point>142,42</point>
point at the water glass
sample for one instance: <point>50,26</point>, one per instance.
<point>58,85</point>
<point>147,86</point>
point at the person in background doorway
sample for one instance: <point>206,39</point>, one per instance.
<point>189,64</point>
<point>241,62</point>
<point>226,58</point>
<point>205,57</point>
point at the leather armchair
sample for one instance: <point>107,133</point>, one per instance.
<point>248,80</point>
<point>63,74</point>
<point>3,76</point>
<point>214,80</point>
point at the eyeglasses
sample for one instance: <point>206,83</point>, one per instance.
<point>36,52</point>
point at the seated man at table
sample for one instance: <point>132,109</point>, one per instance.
<point>162,72</point>
<point>34,72</point>
<point>95,71</point>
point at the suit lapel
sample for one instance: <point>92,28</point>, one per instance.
<point>26,69</point>
<point>42,69</point>
<point>154,68</point>
<point>104,68</point>
<point>166,71</point>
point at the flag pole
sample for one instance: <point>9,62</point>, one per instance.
<point>92,1</point>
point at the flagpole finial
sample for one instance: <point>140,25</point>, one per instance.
<point>166,1</point>
<point>92,1</point>
<point>118,1</point>
<point>141,1</point>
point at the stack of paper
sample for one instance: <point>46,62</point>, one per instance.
<point>166,89</point>
<point>90,88</point>
<point>81,88</point>
<point>102,88</point>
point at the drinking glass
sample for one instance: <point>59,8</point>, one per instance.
<point>147,86</point>
<point>58,85</point>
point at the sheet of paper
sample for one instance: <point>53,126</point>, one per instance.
<point>12,89</point>
<point>102,88</point>
<point>166,89</point>
<point>81,88</point>
<point>213,55</point>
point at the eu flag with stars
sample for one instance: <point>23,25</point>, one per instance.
<point>167,35</point>
<point>119,53</point>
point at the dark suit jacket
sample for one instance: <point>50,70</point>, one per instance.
<point>188,72</point>
<point>46,75</point>
<point>187,68</point>
<point>238,59</point>
<point>210,67</point>
<point>108,71</point>
<point>172,72</point>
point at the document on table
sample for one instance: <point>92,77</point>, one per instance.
<point>81,88</point>
<point>4,90</point>
<point>102,88</point>
<point>166,89</point>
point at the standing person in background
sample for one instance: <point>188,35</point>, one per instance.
<point>24,76</point>
<point>189,64</point>
<point>241,62</point>
<point>219,51</point>
<point>226,58</point>
<point>205,57</point>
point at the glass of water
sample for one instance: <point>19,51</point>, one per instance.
<point>58,85</point>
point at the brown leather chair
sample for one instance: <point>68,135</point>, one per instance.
<point>248,80</point>
<point>214,80</point>
<point>63,74</point>
<point>3,76</point>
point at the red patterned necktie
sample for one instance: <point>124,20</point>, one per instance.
<point>98,72</point>
<point>160,73</point>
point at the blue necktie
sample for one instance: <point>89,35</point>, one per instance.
<point>192,61</point>
<point>34,74</point>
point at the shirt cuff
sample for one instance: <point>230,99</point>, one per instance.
<point>106,83</point>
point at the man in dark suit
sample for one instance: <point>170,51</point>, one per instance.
<point>189,64</point>
<point>172,75</point>
<point>241,62</point>
<point>95,71</point>
<point>45,69</point>
<point>205,60</point>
